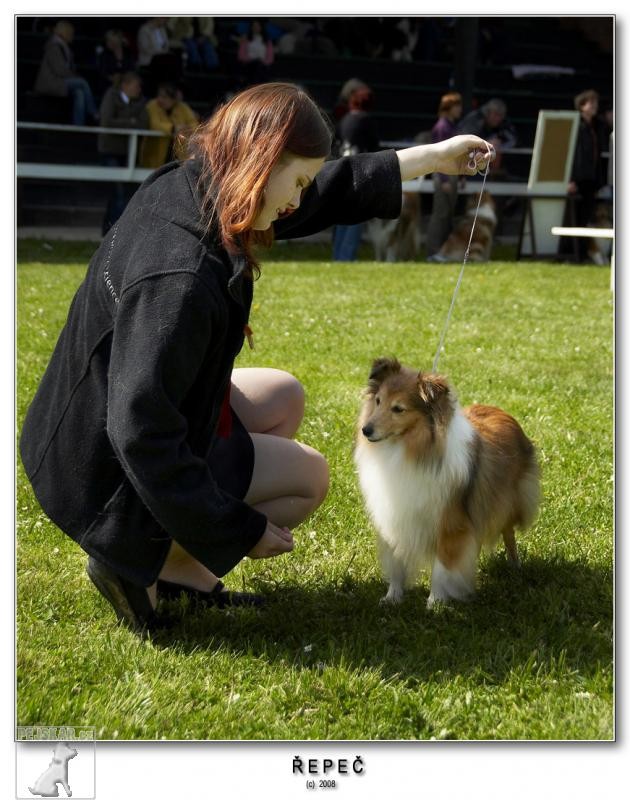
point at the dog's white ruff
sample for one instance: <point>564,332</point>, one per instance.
<point>406,500</point>
<point>485,212</point>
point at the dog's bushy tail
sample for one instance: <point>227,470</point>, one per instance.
<point>529,494</point>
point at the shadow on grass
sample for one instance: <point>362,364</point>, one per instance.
<point>548,616</point>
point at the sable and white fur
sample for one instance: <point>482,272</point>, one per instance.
<point>440,481</point>
<point>454,248</point>
<point>397,239</point>
<point>599,249</point>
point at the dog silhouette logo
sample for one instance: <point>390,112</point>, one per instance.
<point>57,773</point>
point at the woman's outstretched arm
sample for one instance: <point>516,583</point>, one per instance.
<point>453,156</point>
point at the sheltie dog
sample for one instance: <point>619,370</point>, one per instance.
<point>454,248</point>
<point>397,239</point>
<point>440,481</point>
<point>599,250</point>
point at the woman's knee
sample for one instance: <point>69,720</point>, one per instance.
<point>268,401</point>
<point>320,476</point>
<point>290,479</point>
<point>293,402</point>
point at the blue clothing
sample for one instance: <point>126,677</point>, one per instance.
<point>83,104</point>
<point>346,241</point>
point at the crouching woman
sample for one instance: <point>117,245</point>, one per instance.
<point>143,443</point>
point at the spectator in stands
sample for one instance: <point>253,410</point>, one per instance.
<point>152,41</point>
<point>291,31</point>
<point>315,40</point>
<point>57,76</point>
<point>154,51</point>
<point>357,133</point>
<point>410,31</point>
<point>143,443</point>
<point>490,122</point>
<point>169,114</point>
<point>122,107</point>
<point>256,53</point>
<point>444,186</point>
<point>381,36</point>
<point>588,173</point>
<point>342,105</point>
<point>114,59</point>
<point>197,37</point>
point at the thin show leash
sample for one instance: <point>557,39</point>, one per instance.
<point>471,165</point>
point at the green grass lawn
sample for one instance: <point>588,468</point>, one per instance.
<point>530,658</point>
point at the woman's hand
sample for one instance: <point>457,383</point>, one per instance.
<point>460,155</point>
<point>463,155</point>
<point>273,542</point>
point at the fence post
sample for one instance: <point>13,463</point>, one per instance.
<point>132,152</point>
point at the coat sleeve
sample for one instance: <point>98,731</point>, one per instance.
<point>107,110</point>
<point>58,64</point>
<point>162,331</point>
<point>345,192</point>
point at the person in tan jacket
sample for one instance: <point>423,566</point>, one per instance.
<point>169,114</point>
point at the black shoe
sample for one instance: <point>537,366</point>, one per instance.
<point>218,597</point>
<point>130,602</point>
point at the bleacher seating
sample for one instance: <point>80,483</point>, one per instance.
<point>406,93</point>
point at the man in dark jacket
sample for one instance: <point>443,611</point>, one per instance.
<point>492,124</point>
<point>57,76</point>
<point>122,107</point>
<point>587,174</point>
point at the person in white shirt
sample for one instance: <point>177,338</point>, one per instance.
<point>152,41</point>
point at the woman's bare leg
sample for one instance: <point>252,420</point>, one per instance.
<point>290,479</point>
<point>181,567</point>
<point>267,401</point>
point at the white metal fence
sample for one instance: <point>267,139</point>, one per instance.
<point>87,172</point>
<point>134,174</point>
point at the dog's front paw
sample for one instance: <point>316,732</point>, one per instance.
<point>393,596</point>
<point>434,602</point>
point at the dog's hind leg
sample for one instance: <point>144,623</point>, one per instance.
<point>510,546</point>
<point>455,566</point>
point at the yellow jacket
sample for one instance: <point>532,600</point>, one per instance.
<point>154,150</point>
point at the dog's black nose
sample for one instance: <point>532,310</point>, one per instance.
<point>367,430</point>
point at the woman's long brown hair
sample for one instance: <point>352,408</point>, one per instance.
<point>239,146</point>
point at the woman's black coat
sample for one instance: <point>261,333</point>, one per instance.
<point>116,439</point>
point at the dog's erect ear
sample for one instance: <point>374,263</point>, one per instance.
<point>432,388</point>
<point>381,368</point>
